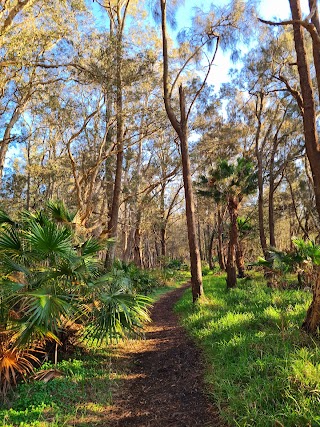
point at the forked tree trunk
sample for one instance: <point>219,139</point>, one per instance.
<point>233,242</point>
<point>312,321</point>
<point>181,128</point>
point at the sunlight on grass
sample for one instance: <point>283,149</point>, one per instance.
<point>262,369</point>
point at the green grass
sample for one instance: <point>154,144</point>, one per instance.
<point>262,370</point>
<point>86,387</point>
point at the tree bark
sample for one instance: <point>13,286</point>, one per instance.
<point>233,242</point>
<point>309,111</point>
<point>271,205</point>
<point>221,259</point>
<point>311,142</point>
<point>210,251</point>
<point>312,320</point>
<point>117,188</point>
<point>240,260</point>
<point>137,251</point>
<point>316,50</point>
<point>181,129</point>
<point>258,153</point>
<point>196,272</point>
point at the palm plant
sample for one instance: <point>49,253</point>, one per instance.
<point>229,183</point>
<point>51,280</point>
<point>306,258</point>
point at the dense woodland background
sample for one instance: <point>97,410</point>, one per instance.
<point>61,138</point>
<point>122,166</point>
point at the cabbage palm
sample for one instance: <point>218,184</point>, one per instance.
<point>230,182</point>
<point>48,281</point>
<point>307,256</point>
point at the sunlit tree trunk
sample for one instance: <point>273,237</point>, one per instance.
<point>118,18</point>
<point>240,260</point>
<point>181,128</point>
<point>311,143</point>
<point>312,321</point>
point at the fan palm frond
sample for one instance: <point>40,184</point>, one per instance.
<point>59,211</point>
<point>49,239</point>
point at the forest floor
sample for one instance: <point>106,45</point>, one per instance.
<point>164,385</point>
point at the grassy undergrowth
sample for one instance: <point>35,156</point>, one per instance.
<point>79,398</point>
<point>262,370</point>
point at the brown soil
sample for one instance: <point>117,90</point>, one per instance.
<point>165,385</point>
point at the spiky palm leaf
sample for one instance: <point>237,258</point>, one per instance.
<point>117,314</point>
<point>60,212</point>
<point>49,240</point>
<point>44,310</point>
<point>15,361</point>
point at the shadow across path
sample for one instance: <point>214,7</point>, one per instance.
<point>164,387</point>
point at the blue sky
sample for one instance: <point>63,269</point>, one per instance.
<point>269,9</point>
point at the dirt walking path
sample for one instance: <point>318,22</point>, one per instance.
<point>164,387</point>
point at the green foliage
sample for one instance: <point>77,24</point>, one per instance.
<point>229,180</point>
<point>262,369</point>
<point>305,256</point>
<point>49,281</point>
<point>244,227</point>
<point>141,281</point>
<point>84,388</point>
<point>205,269</point>
<point>59,211</point>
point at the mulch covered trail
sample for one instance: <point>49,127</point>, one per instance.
<point>165,385</point>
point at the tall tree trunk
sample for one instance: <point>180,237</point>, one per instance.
<point>221,259</point>
<point>309,110</point>
<point>262,234</point>
<point>233,242</point>
<point>210,251</point>
<point>240,260</point>
<point>311,142</point>
<point>201,252</point>
<point>271,212</point>
<point>117,188</point>
<point>196,272</point>
<point>137,251</point>
<point>181,128</point>
<point>163,224</point>
<point>315,48</point>
<point>163,241</point>
<point>312,320</point>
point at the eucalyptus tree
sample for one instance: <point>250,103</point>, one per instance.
<point>34,33</point>
<point>218,25</point>
<point>263,108</point>
<point>305,97</point>
<point>117,11</point>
